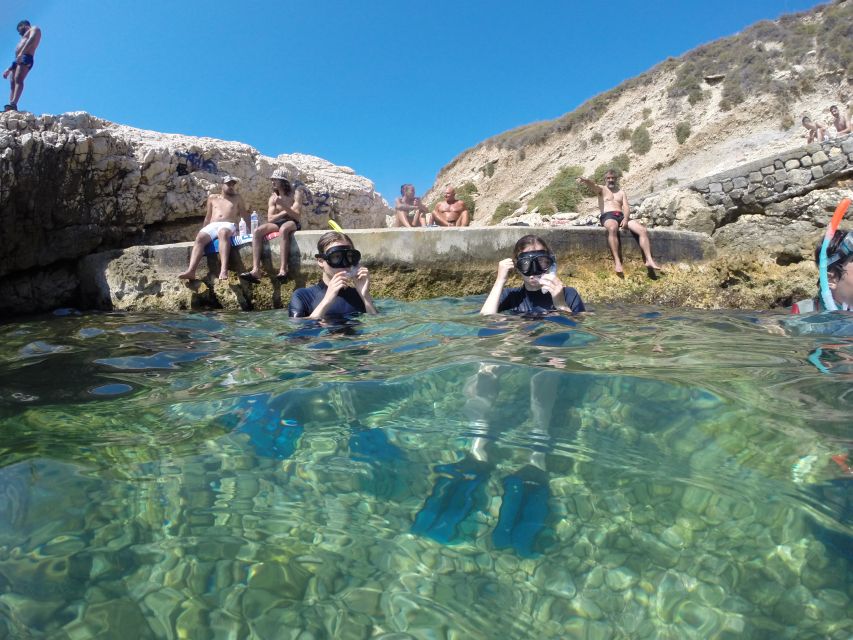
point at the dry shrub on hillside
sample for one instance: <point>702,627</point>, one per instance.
<point>682,131</point>
<point>504,210</point>
<point>466,194</point>
<point>641,142</point>
<point>561,194</point>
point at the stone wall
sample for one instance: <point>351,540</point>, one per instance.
<point>404,263</point>
<point>777,207</point>
<point>74,184</point>
<point>774,179</point>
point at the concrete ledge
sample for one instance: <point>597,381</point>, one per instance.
<point>407,261</point>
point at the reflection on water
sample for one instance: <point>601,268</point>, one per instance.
<point>427,473</point>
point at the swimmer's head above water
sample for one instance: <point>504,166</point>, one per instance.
<point>839,269</point>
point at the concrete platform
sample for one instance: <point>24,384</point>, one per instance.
<point>404,263</point>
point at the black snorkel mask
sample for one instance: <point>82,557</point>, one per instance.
<point>843,251</point>
<point>534,263</point>
<point>341,257</point>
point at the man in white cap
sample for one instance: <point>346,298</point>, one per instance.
<point>224,210</point>
<point>284,210</point>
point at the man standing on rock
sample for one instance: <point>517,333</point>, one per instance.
<point>842,124</point>
<point>615,215</point>
<point>409,206</point>
<point>451,212</point>
<point>223,212</point>
<point>23,62</point>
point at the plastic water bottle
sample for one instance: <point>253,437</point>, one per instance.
<point>242,227</point>
<point>254,221</point>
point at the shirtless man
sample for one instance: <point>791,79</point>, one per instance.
<point>284,209</point>
<point>23,62</point>
<point>408,206</point>
<point>842,124</point>
<point>816,133</point>
<point>615,214</point>
<point>223,212</point>
<point>451,212</point>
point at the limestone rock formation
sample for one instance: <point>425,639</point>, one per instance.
<point>74,184</point>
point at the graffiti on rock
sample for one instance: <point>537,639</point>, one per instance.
<point>321,201</point>
<point>193,161</point>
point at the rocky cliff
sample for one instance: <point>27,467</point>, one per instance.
<point>74,184</point>
<point>723,105</point>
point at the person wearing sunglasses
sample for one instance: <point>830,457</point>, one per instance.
<point>839,273</point>
<point>344,288</point>
<point>542,289</point>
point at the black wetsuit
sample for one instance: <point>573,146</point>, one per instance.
<point>305,300</point>
<point>521,300</point>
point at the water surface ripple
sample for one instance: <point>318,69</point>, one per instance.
<point>426,473</point>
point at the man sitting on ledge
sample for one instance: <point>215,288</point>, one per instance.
<point>451,212</point>
<point>615,215</point>
<point>284,209</point>
<point>408,209</point>
<point>223,211</point>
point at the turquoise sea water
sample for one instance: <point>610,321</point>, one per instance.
<point>644,473</point>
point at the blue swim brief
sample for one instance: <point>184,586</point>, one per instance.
<point>25,60</point>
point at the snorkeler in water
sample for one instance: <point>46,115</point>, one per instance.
<point>542,289</point>
<point>344,288</point>
<point>839,274</point>
<point>459,488</point>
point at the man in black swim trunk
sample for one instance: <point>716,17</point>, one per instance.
<point>284,209</point>
<point>23,62</point>
<point>615,215</point>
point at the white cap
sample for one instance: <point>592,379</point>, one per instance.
<point>279,174</point>
<point>228,179</point>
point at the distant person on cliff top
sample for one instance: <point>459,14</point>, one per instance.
<point>223,212</point>
<point>615,215</point>
<point>451,212</point>
<point>284,209</point>
<point>839,272</point>
<point>816,133</point>
<point>840,120</point>
<point>408,208</point>
<point>23,62</point>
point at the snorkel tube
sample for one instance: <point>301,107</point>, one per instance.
<point>825,293</point>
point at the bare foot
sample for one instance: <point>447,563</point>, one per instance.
<point>651,264</point>
<point>187,275</point>
<point>619,270</point>
<point>223,276</point>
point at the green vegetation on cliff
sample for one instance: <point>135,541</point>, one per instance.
<point>641,142</point>
<point>504,210</point>
<point>562,193</point>
<point>682,132</point>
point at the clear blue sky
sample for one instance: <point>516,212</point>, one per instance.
<point>393,89</point>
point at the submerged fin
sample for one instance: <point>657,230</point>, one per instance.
<point>524,510</point>
<point>453,498</point>
<point>373,445</point>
